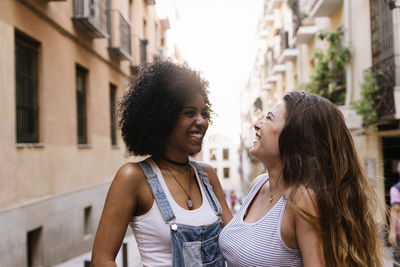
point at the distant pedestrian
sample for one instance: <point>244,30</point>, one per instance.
<point>175,207</point>
<point>233,200</point>
<point>315,206</point>
<point>394,231</point>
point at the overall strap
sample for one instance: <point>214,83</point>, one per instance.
<point>157,191</point>
<point>212,199</point>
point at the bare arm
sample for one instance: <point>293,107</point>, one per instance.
<point>118,209</point>
<point>216,185</point>
<point>394,218</point>
<point>307,233</point>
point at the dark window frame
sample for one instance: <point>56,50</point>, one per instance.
<point>225,153</point>
<point>226,173</point>
<point>81,104</point>
<point>113,115</point>
<point>27,88</point>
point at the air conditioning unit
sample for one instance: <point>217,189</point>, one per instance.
<point>90,15</point>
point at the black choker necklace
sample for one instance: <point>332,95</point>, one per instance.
<point>176,162</point>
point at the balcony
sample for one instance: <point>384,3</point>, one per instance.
<point>269,19</point>
<point>264,34</point>
<point>150,2</point>
<point>384,72</point>
<point>324,8</point>
<point>276,4</point>
<point>165,23</point>
<point>305,34</point>
<point>119,43</point>
<point>90,15</point>
<point>278,69</point>
<point>272,79</point>
<point>288,55</point>
<point>266,86</point>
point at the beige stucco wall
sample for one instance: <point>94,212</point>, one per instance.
<point>360,44</point>
<point>58,165</point>
<point>337,18</point>
<point>147,13</point>
<point>8,155</point>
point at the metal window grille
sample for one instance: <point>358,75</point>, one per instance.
<point>143,51</point>
<point>27,95</point>
<point>383,58</point>
<point>226,173</point>
<point>113,92</point>
<point>81,75</point>
<point>119,28</point>
<point>225,153</point>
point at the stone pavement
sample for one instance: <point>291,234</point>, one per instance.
<point>133,256</point>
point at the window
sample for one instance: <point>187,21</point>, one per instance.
<point>226,173</point>
<point>225,153</point>
<point>81,75</point>
<point>213,154</point>
<point>34,247</point>
<point>113,92</point>
<point>156,33</point>
<point>143,44</point>
<point>87,221</point>
<point>27,91</point>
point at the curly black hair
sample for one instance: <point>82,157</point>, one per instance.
<point>149,110</point>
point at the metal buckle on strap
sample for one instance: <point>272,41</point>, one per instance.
<point>173,225</point>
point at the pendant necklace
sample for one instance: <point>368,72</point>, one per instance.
<point>272,194</point>
<point>189,201</point>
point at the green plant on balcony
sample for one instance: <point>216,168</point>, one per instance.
<point>365,106</point>
<point>328,76</point>
<point>258,104</point>
<point>294,6</point>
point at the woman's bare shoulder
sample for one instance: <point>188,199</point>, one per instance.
<point>130,174</point>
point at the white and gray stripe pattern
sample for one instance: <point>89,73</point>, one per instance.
<point>258,244</point>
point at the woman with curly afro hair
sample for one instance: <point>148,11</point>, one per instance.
<point>175,207</point>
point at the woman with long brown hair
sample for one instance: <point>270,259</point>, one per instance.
<point>315,206</point>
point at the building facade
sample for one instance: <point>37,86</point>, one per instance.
<point>289,35</point>
<point>64,66</point>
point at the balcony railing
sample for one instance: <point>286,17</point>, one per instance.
<point>284,36</point>
<point>324,8</point>
<point>289,55</point>
<point>91,16</point>
<point>384,73</point>
<point>305,34</point>
<point>120,35</point>
<point>296,15</point>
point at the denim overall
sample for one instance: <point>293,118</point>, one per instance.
<point>191,245</point>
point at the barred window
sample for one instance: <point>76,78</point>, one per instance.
<point>226,173</point>
<point>81,76</point>
<point>113,92</point>
<point>225,153</point>
<point>213,154</point>
<point>27,91</point>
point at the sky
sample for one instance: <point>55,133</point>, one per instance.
<point>216,37</point>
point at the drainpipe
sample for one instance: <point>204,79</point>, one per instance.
<point>396,37</point>
<point>347,43</point>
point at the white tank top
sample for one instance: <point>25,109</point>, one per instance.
<point>153,234</point>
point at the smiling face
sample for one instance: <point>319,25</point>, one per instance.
<point>266,145</point>
<point>187,136</point>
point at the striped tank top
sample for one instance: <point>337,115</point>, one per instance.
<point>259,243</point>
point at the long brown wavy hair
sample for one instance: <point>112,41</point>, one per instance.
<point>318,153</point>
